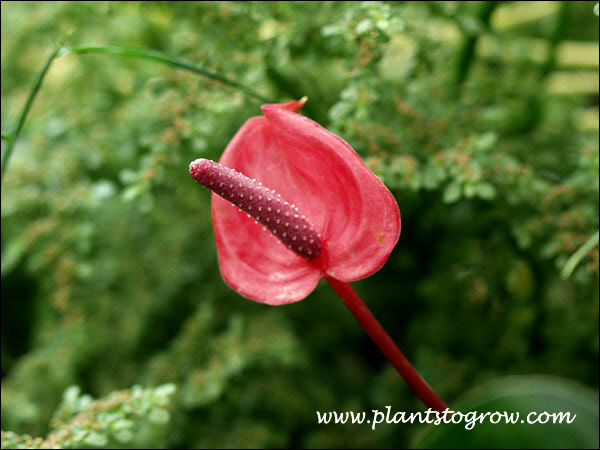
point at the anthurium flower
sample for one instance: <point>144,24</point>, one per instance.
<point>355,216</point>
<point>293,203</point>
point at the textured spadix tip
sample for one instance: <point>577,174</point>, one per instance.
<point>266,206</point>
<point>197,168</point>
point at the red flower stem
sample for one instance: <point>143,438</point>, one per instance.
<point>386,345</point>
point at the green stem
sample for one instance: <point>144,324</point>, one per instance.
<point>467,50</point>
<point>576,258</point>
<point>11,139</point>
<point>36,87</point>
<point>562,20</point>
<point>157,56</point>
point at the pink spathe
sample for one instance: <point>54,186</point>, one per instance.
<point>355,216</point>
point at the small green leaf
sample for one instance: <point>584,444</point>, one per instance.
<point>96,439</point>
<point>12,256</point>
<point>165,390</point>
<point>124,436</point>
<point>159,416</point>
<point>363,26</point>
<point>486,141</point>
<point>452,193</point>
<point>486,191</point>
<point>469,190</point>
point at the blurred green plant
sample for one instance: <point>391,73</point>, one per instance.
<point>536,400</point>
<point>109,272</point>
<point>135,418</point>
<point>121,51</point>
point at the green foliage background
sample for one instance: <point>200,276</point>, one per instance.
<point>483,124</point>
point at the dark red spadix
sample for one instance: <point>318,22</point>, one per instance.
<point>265,205</point>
